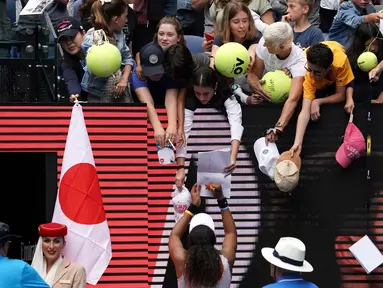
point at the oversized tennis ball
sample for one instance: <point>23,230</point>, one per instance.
<point>277,84</point>
<point>367,61</point>
<point>103,60</point>
<point>231,60</point>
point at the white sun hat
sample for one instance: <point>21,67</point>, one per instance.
<point>289,254</point>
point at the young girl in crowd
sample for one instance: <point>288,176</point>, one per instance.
<point>261,7</point>
<point>70,35</point>
<point>238,26</point>
<point>209,88</point>
<point>169,32</point>
<point>202,265</point>
<point>109,16</point>
<point>369,39</point>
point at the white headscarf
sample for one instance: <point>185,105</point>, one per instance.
<point>40,265</point>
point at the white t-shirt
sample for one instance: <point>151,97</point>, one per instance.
<point>295,63</point>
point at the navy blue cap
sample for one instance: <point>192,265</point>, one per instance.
<point>152,58</point>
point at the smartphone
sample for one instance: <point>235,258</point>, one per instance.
<point>209,37</point>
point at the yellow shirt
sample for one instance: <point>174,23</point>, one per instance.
<point>341,72</point>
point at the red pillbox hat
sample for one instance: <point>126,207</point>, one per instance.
<point>53,230</point>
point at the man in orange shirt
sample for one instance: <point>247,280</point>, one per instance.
<point>328,74</point>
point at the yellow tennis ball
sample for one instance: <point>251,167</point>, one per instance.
<point>103,60</point>
<point>277,84</point>
<point>367,61</point>
<point>231,59</point>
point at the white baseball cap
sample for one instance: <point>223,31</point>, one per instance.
<point>202,219</point>
<point>267,156</point>
<point>181,201</point>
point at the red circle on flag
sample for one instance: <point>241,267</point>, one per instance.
<point>80,195</point>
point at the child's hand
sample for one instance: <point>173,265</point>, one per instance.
<point>373,17</point>
<point>121,86</point>
<point>207,45</point>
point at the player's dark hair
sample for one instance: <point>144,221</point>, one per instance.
<point>203,264</point>
<point>320,55</point>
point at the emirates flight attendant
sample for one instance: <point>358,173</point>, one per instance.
<point>55,269</point>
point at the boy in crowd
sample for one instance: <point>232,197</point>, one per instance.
<point>275,51</point>
<point>305,34</point>
<point>349,16</point>
<point>328,74</point>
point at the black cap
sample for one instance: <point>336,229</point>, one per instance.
<point>152,59</point>
<point>68,27</point>
<point>5,235</point>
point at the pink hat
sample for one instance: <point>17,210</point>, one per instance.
<point>353,147</point>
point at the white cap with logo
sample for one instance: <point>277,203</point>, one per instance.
<point>267,156</point>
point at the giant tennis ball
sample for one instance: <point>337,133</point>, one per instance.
<point>231,60</point>
<point>277,84</point>
<point>103,60</point>
<point>367,61</point>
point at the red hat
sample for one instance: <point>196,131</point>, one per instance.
<point>53,230</point>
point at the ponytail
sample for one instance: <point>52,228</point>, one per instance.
<point>103,13</point>
<point>203,266</point>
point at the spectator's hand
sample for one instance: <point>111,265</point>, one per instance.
<point>159,135</point>
<point>216,189</point>
<point>315,110</point>
<point>296,149</point>
<point>286,18</point>
<point>73,98</point>
<point>258,90</point>
<point>254,99</point>
<point>349,107</point>
<point>374,74</point>
<point>121,86</point>
<point>286,71</point>
<point>373,17</point>
<point>180,178</point>
<point>181,137</point>
<point>171,134</point>
<point>195,195</point>
<point>376,101</point>
<point>207,45</point>
<point>230,169</point>
<point>273,136</point>
<point>140,72</point>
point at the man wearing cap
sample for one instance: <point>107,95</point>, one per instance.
<point>287,262</point>
<point>157,89</point>
<point>14,272</point>
<point>70,35</point>
<point>55,269</point>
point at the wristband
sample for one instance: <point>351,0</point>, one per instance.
<point>189,213</point>
<point>192,209</point>
<point>222,203</point>
<point>224,209</point>
<point>180,167</point>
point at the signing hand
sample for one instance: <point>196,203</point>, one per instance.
<point>315,109</point>
<point>216,189</point>
<point>374,74</point>
<point>195,195</point>
<point>273,136</point>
